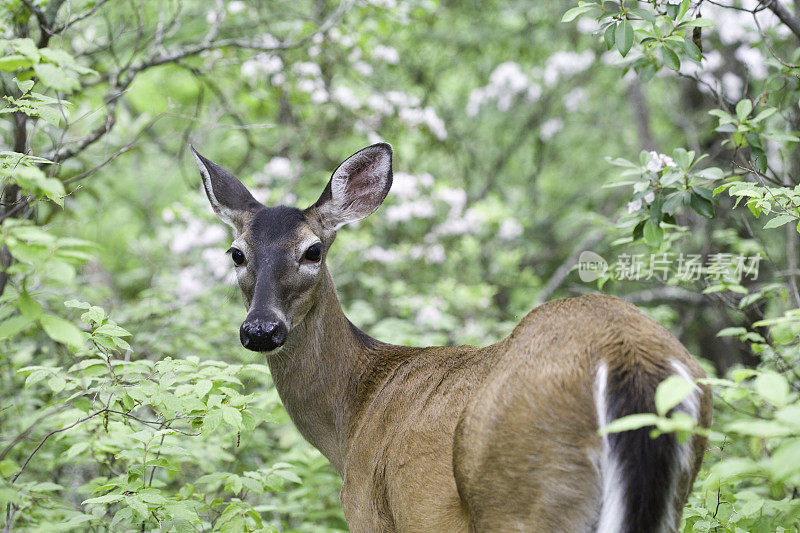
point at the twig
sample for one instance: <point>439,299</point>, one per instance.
<point>565,268</point>
<point>786,17</point>
<point>116,154</point>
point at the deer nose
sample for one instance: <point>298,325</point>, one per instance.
<point>262,335</point>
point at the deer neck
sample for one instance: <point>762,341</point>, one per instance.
<point>316,373</point>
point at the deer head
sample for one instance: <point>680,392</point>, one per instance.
<point>279,252</point>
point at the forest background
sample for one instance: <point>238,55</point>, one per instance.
<point>660,136</point>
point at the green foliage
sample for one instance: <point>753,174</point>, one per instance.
<point>750,479</point>
<point>157,419</point>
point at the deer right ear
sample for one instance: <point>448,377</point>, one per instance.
<point>231,200</point>
<point>357,188</point>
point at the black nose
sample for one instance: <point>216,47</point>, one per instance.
<point>262,335</point>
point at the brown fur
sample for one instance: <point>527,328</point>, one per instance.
<point>445,439</point>
<point>501,437</point>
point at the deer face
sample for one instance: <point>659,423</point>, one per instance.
<point>279,252</point>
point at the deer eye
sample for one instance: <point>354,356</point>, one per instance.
<point>314,252</point>
<point>236,255</point>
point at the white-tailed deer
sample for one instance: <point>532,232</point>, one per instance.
<point>494,439</point>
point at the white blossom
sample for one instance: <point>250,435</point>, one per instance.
<point>380,255</point>
<point>236,6</point>
<point>404,186</point>
<point>635,205</point>
<point>428,316</point>
<point>550,127</point>
<point>401,99</point>
<point>278,79</point>
<point>416,116</point>
<point>469,222</point>
<point>509,229</point>
<point>217,263</point>
<point>732,85</point>
<point>319,96</point>
<point>279,167</point>
<point>573,99</point>
<point>587,25</point>
<point>262,64</point>
<point>659,162</point>
<point>196,233</point>
<point>386,54</point>
<point>408,210</point>
<point>345,96</point>
<point>754,60</point>
<point>306,68</point>
<point>379,104</point>
<point>388,4</point>
<point>649,197</point>
<point>268,40</point>
<point>455,198</point>
<point>566,63</point>
<point>363,68</point>
<point>436,254</point>
<point>190,282</point>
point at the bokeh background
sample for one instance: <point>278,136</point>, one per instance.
<point>507,125</point>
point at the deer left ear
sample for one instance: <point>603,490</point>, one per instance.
<point>357,188</point>
<point>229,198</point>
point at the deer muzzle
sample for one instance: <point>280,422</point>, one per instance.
<point>262,334</point>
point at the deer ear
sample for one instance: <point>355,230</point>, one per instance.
<point>231,200</point>
<point>357,188</point>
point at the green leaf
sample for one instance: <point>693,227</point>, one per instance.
<point>670,58</point>
<point>779,221</point>
<point>575,12</point>
<point>743,109</point>
<point>742,374</point>
<point>13,325</point>
<point>711,173</point>
<point>112,330</point>
<point>55,78</point>
<point>13,62</point>
<point>56,383</point>
<point>671,392</point>
<point>780,136</point>
<point>136,503</point>
<point>24,86</point>
<point>652,233</point>
<point>609,36</point>
<point>630,422</point>
<point>702,206</point>
<point>211,421</point>
<point>62,331</point>
<point>731,332</point>
<point>644,14</point>
<point>624,37</point>
<point>26,47</point>
<point>697,23</point>
<point>773,387</point>
<point>108,498</point>
<point>202,387</point>
<point>768,112</point>
<point>758,428</point>
<point>232,416</point>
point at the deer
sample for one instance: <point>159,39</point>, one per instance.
<point>459,438</point>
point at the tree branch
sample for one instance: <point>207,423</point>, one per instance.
<point>784,15</point>
<point>565,268</point>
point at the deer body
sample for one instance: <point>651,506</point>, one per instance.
<point>440,439</point>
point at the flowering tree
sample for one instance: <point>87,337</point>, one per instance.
<point>658,136</point>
